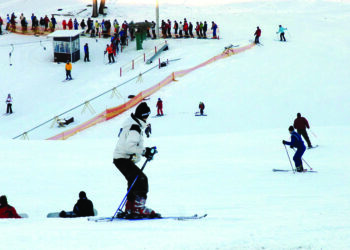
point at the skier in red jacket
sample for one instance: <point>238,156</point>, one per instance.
<point>7,211</point>
<point>257,35</point>
<point>159,107</point>
<point>300,124</point>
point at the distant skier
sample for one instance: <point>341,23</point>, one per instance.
<point>128,151</point>
<point>257,35</point>
<point>7,211</point>
<point>300,124</point>
<point>1,23</point>
<point>68,70</point>
<point>214,27</point>
<point>86,51</point>
<point>9,104</point>
<point>281,31</point>
<point>84,207</point>
<point>201,107</point>
<point>109,50</point>
<point>159,107</point>
<point>298,143</point>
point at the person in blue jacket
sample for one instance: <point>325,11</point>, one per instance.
<point>281,31</point>
<point>298,143</point>
<point>86,51</point>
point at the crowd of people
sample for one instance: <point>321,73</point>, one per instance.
<point>107,28</point>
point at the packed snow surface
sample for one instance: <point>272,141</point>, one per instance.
<point>219,164</point>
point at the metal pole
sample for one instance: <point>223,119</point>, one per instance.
<point>157,18</point>
<point>289,159</point>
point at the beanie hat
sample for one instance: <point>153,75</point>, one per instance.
<point>291,128</point>
<point>142,111</point>
<point>3,200</point>
<point>82,195</point>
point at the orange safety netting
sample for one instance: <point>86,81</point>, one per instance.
<point>113,112</point>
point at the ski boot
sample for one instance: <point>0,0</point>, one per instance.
<point>300,168</point>
<point>141,211</point>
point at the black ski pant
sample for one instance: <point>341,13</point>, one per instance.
<point>86,57</point>
<point>9,108</point>
<point>305,135</point>
<point>256,40</point>
<point>68,75</point>
<point>110,58</point>
<point>130,172</point>
<point>282,38</point>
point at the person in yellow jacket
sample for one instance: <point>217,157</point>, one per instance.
<point>68,70</point>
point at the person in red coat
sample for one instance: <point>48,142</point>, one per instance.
<point>257,35</point>
<point>300,124</point>
<point>64,24</point>
<point>159,107</point>
<point>7,211</point>
<point>70,24</point>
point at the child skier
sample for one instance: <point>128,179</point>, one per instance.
<point>128,151</point>
<point>159,107</point>
<point>68,70</point>
<point>297,142</point>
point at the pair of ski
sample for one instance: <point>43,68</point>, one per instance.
<point>289,170</point>
<point>111,219</point>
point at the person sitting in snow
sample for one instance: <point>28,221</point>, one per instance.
<point>298,143</point>
<point>7,211</point>
<point>84,207</point>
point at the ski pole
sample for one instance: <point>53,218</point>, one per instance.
<point>154,151</point>
<point>305,162</point>
<point>289,159</point>
<point>313,133</point>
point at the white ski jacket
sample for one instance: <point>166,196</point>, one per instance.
<point>130,143</point>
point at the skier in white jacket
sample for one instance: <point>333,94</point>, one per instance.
<point>128,151</point>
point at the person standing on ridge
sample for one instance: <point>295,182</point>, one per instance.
<point>128,151</point>
<point>159,107</point>
<point>298,143</point>
<point>281,31</point>
<point>300,124</point>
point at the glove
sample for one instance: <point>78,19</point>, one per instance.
<point>284,142</point>
<point>150,152</point>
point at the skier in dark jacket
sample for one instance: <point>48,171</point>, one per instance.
<point>201,107</point>
<point>296,142</point>
<point>7,211</point>
<point>128,151</point>
<point>86,51</point>
<point>84,207</point>
<point>257,35</point>
<point>300,124</point>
